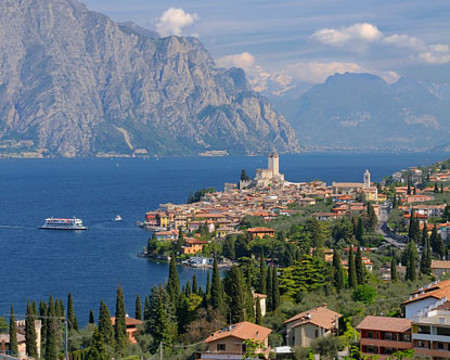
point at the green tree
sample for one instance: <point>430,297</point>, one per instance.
<point>436,188</point>
<point>276,299</point>
<point>269,289</point>
<point>411,260</point>
<point>147,309</point>
<point>249,303</point>
<point>162,324</point>
<point>244,176</point>
<point>359,266</point>
<point>446,213</point>
<point>394,276</point>
<point>360,231</point>
<point>236,291</point>
<point>414,228</point>
<point>138,308</point>
<point>71,317</point>
<point>316,231</point>
<point>51,338</point>
<point>326,346</point>
<point>120,327</point>
<point>194,285</point>
<point>372,219</point>
<point>258,314</point>
<point>13,346</point>
<point>424,238</point>
<point>365,293</point>
<point>173,284</point>
<point>437,243</point>
<point>217,294</point>
<point>91,317</point>
<point>338,274</point>
<point>30,332</point>
<point>352,279</point>
<point>425,260</point>
<point>262,274</point>
<point>97,350</point>
<point>105,325</point>
<point>180,240</point>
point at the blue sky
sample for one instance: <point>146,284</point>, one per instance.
<point>306,39</point>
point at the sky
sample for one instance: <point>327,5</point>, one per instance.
<point>307,40</point>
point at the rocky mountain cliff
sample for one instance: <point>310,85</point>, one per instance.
<point>363,112</point>
<point>73,82</point>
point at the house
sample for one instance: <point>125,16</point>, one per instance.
<point>170,235</point>
<point>21,330</point>
<point>431,295</point>
<point>260,232</point>
<point>132,327</point>
<point>444,231</point>
<point>306,326</point>
<point>193,246</point>
<point>262,302</point>
<point>382,336</point>
<point>5,345</point>
<point>228,343</point>
<point>440,267</point>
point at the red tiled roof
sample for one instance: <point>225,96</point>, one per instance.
<point>260,229</point>
<point>243,331</point>
<point>383,323</point>
<point>320,316</point>
<point>128,320</point>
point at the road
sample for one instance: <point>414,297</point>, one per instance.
<point>382,229</point>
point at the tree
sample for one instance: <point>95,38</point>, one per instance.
<point>244,176</point>
<point>249,303</point>
<point>120,327</point>
<point>194,285</point>
<point>394,276</point>
<point>424,238</point>
<point>180,241</point>
<point>91,317</point>
<point>262,274</point>
<point>414,228</point>
<point>360,232</point>
<point>258,314</point>
<point>173,284</point>
<point>326,346</point>
<point>411,259</point>
<point>436,189</point>
<point>162,324</point>
<point>216,298</point>
<point>138,307</point>
<point>276,299</point>
<point>51,341</point>
<point>359,267</point>
<point>71,317</point>
<point>372,219</point>
<point>446,213</point>
<point>365,293</point>
<point>13,346</point>
<point>338,275</point>
<point>425,260</point>
<point>105,325</point>
<point>97,350</point>
<point>269,289</point>
<point>236,291</point>
<point>30,333</point>
<point>436,242</point>
<point>352,279</point>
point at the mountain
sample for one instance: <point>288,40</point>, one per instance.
<point>363,112</point>
<point>75,83</point>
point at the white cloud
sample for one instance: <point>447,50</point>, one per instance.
<point>402,40</point>
<point>244,60</point>
<point>436,54</point>
<point>315,72</point>
<point>361,31</point>
<point>173,20</point>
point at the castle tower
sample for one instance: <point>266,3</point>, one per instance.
<point>366,179</point>
<point>274,164</point>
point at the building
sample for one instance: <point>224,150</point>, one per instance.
<point>440,268</point>
<point>228,343</point>
<point>382,336</point>
<point>193,246</point>
<point>262,302</point>
<point>266,177</point>
<point>430,296</point>
<point>5,345</point>
<point>132,327</point>
<point>306,326</point>
<point>260,232</point>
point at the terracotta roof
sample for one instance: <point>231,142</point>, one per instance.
<point>260,229</point>
<point>261,296</point>
<point>129,321</point>
<point>438,294</point>
<point>243,330</point>
<point>440,264</point>
<point>383,323</point>
<point>320,316</point>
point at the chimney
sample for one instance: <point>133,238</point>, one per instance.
<point>325,305</point>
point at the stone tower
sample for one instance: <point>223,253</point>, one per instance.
<point>274,164</point>
<point>366,179</point>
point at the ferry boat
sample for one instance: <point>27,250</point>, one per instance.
<point>63,224</point>
<point>118,218</point>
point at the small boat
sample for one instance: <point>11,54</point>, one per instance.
<point>118,218</point>
<point>63,224</point>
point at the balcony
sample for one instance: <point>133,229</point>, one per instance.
<point>445,354</point>
<point>401,345</point>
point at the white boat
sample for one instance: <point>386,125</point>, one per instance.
<point>118,218</point>
<point>63,224</point>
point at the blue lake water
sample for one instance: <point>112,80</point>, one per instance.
<point>35,263</point>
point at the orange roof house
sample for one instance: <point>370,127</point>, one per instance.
<point>260,232</point>
<point>228,343</point>
<point>306,326</point>
<point>132,325</point>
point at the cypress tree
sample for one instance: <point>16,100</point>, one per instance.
<point>360,231</point>
<point>338,275</point>
<point>409,185</point>
<point>173,284</point>
<point>71,317</point>
<point>30,332</point>
<point>424,239</point>
<point>91,317</point>
<point>359,266</point>
<point>147,309</point>
<point>434,239</point>
<point>120,327</point>
<point>97,350</point>
<point>276,299</point>
<point>138,307</point>
<point>270,289</point>
<point>249,303</point>
<point>105,325</point>
<point>208,286</point>
<point>394,276</point>
<point>440,247</point>
<point>425,260</point>
<point>194,285</point>
<point>436,189</point>
<point>236,292</point>
<point>180,241</point>
<point>216,299</point>
<point>51,350</point>
<point>352,280</point>
<point>442,188</point>
<point>162,325</point>
<point>43,309</point>
<point>13,346</point>
<point>411,273</point>
<point>372,219</point>
<point>262,274</point>
<point>258,315</point>
<point>34,308</point>
<point>187,289</point>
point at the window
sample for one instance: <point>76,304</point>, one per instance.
<point>370,335</point>
<point>424,329</point>
<point>440,346</point>
<point>406,337</point>
<point>421,344</point>
<point>388,336</point>
<point>443,331</point>
<point>316,333</point>
<point>221,347</point>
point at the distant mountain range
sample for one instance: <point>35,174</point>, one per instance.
<point>73,82</point>
<point>362,112</point>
